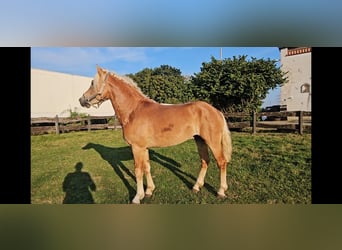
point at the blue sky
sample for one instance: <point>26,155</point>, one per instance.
<point>124,60</point>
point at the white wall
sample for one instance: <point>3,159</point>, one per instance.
<point>299,73</point>
<point>54,93</point>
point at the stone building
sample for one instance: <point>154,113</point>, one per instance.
<point>295,95</point>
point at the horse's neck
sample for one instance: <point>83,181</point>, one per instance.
<point>125,99</point>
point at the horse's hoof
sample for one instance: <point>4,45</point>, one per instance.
<point>136,201</point>
<point>195,190</point>
<point>221,196</point>
<point>148,195</point>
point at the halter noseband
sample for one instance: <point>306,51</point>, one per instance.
<point>98,93</point>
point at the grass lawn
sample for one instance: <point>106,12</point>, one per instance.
<point>98,167</point>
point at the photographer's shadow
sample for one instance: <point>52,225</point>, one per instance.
<point>77,186</point>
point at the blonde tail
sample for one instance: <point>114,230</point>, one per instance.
<point>226,141</point>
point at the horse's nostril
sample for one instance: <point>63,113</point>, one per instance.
<point>82,101</point>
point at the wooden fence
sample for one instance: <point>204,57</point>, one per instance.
<point>295,121</point>
<point>299,121</point>
<point>45,125</point>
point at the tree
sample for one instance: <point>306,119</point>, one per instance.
<point>164,84</point>
<point>237,84</point>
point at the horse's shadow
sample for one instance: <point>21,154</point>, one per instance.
<point>116,156</point>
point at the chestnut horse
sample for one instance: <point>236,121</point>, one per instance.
<point>146,123</point>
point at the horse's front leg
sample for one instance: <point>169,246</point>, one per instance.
<point>138,155</point>
<point>141,164</point>
<point>149,180</point>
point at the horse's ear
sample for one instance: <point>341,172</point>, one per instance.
<point>99,70</point>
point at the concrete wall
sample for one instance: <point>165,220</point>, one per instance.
<point>298,64</point>
<point>54,93</point>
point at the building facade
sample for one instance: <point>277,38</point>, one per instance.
<point>296,93</point>
<point>54,93</point>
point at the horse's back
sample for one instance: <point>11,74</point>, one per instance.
<point>191,111</point>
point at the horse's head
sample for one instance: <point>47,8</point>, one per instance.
<point>94,96</point>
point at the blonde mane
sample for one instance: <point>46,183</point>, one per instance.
<point>128,81</point>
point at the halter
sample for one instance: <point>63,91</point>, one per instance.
<point>98,93</point>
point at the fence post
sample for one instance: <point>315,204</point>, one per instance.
<point>300,122</point>
<point>57,125</point>
<point>253,122</point>
<point>114,123</point>
<point>89,122</point>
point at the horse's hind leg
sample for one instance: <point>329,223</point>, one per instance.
<point>223,178</point>
<point>204,156</point>
<point>222,165</point>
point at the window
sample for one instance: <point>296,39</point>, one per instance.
<point>305,88</point>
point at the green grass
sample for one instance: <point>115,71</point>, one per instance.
<point>265,168</point>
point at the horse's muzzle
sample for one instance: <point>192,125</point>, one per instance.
<point>84,102</point>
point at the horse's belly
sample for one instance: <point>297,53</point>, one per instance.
<point>160,135</point>
<point>171,134</point>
